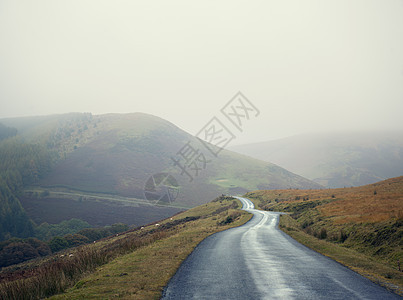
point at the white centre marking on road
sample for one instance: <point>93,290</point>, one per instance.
<point>265,270</point>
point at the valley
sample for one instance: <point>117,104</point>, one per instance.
<point>99,165</point>
<point>95,208</point>
<point>73,179</point>
<point>201,150</point>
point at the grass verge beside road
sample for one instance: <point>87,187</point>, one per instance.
<point>366,266</point>
<point>142,274</point>
<point>360,227</point>
<point>134,265</point>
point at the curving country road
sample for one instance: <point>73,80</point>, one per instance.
<point>258,261</point>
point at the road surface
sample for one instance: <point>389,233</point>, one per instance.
<point>259,261</point>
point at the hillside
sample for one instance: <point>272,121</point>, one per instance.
<point>20,164</point>
<point>106,160</point>
<point>136,264</point>
<point>335,159</point>
<point>366,219</point>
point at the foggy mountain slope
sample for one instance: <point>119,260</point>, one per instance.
<point>117,153</point>
<point>335,159</point>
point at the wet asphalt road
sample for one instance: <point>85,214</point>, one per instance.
<point>258,261</point>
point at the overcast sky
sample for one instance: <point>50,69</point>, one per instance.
<point>306,65</point>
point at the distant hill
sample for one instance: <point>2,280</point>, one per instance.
<point>115,155</point>
<point>6,132</point>
<point>335,159</point>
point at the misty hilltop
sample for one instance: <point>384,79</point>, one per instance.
<point>117,154</point>
<point>335,159</point>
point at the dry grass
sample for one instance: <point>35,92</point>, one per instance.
<point>375,270</point>
<point>367,204</point>
<point>134,265</point>
<point>366,220</point>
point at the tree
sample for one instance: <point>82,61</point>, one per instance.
<point>17,252</point>
<point>21,163</point>
<point>118,227</point>
<point>58,243</point>
<point>76,239</point>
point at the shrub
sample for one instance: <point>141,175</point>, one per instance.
<point>15,251</point>
<point>94,234</point>
<point>227,220</point>
<point>76,239</point>
<point>58,243</point>
<point>230,218</point>
<point>343,236</point>
<point>118,227</point>
<point>323,234</point>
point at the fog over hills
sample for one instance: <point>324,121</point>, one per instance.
<point>335,159</point>
<point>116,154</point>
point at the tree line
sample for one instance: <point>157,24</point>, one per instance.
<point>17,250</point>
<point>20,164</point>
<point>23,163</point>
